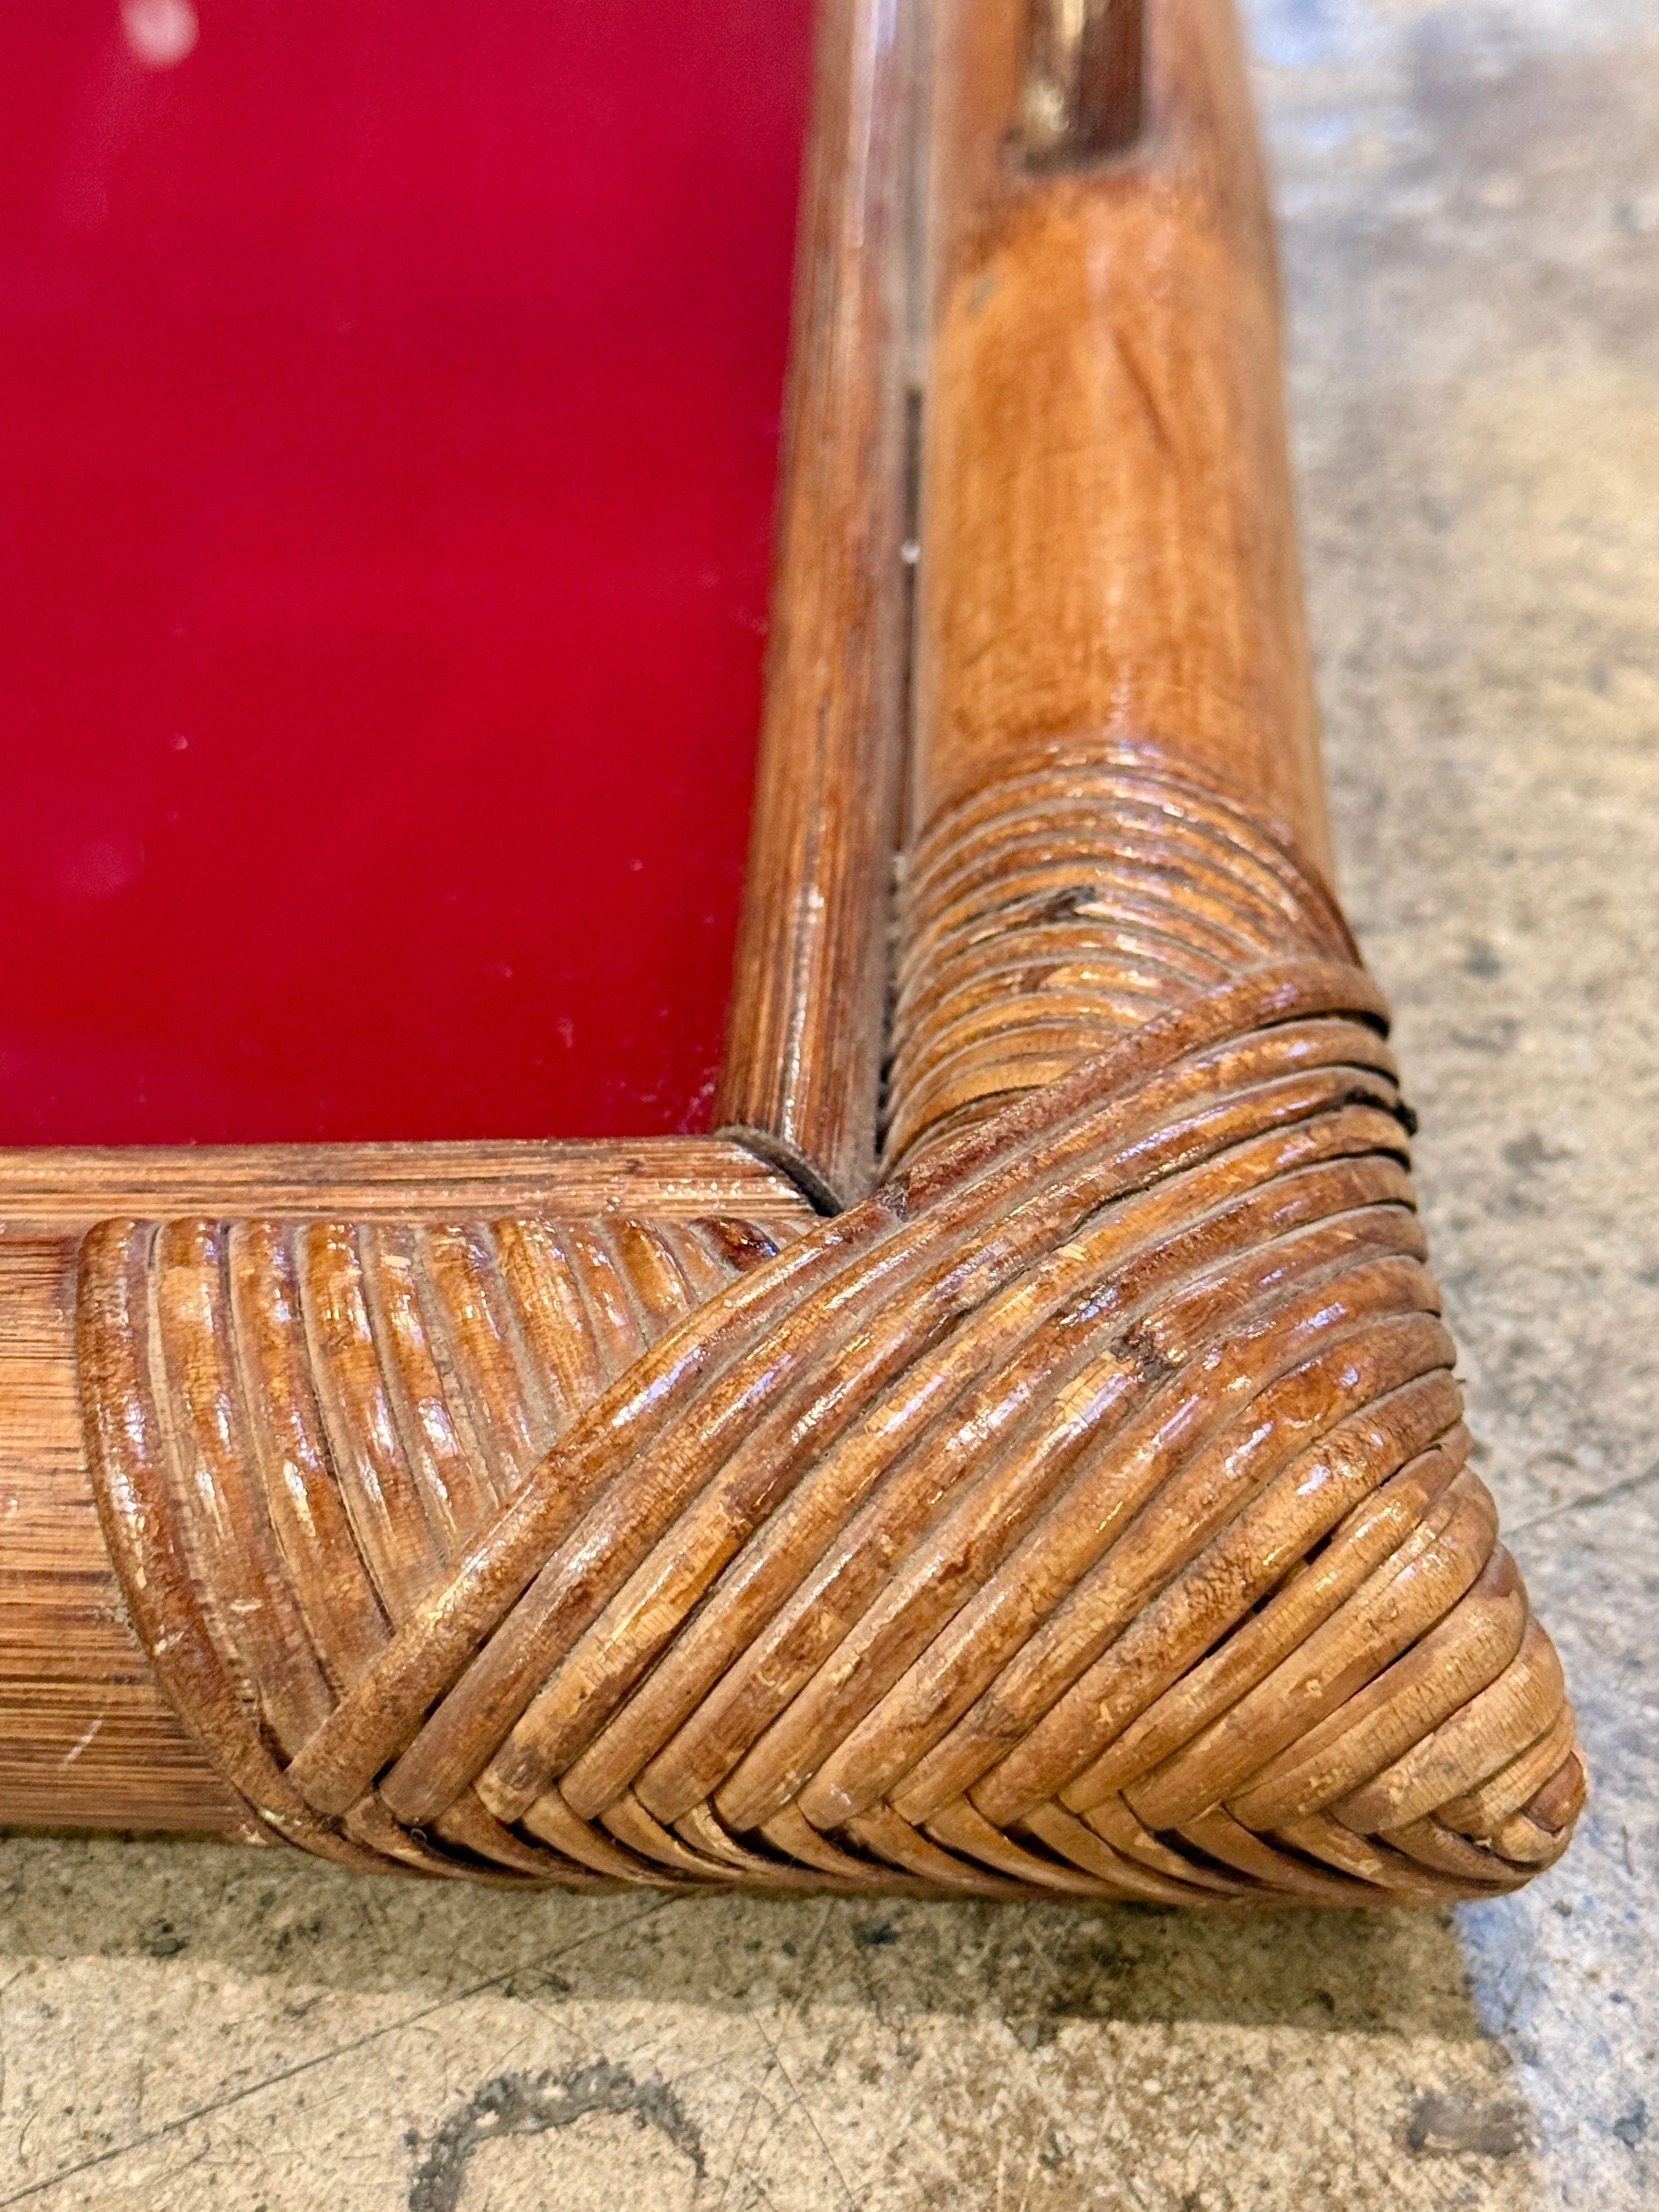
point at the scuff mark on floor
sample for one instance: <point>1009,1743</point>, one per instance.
<point>530,2105</point>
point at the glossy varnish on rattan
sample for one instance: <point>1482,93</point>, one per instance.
<point>1021,1454</point>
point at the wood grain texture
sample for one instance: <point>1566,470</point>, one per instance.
<point>804,1029</point>
<point>663,1179</point>
<point>1109,533</point>
<point>86,1738</point>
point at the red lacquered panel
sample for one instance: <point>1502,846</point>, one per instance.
<point>389,395</point>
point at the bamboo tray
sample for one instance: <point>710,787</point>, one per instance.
<point>1019,1453</point>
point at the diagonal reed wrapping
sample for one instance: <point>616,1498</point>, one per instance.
<point>1088,1511</point>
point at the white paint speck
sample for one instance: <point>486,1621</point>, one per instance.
<point>80,1743</point>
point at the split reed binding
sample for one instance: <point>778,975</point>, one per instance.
<point>1086,1511</point>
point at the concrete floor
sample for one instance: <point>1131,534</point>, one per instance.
<point>1470,197</point>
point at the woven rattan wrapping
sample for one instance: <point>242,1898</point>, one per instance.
<point>1087,1511</point>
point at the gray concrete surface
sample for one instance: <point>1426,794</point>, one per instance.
<point>1470,197</point>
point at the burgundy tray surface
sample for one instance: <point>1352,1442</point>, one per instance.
<point>388,415</point>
